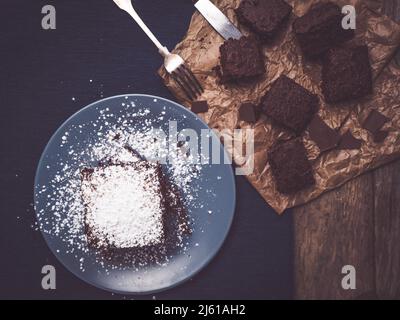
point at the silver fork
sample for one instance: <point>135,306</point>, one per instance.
<point>173,63</point>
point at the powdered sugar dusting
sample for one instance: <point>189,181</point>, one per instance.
<point>124,206</point>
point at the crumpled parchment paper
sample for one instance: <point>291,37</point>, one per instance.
<point>200,49</point>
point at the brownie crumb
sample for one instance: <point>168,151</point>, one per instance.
<point>348,142</point>
<point>240,60</point>
<point>290,166</point>
<point>375,121</point>
<point>320,29</point>
<point>289,104</point>
<point>86,172</point>
<point>380,136</point>
<point>265,18</point>
<point>249,112</point>
<point>180,144</point>
<point>199,106</point>
<point>117,137</point>
<point>324,136</point>
<point>346,74</point>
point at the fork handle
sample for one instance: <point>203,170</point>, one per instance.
<point>161,49</point>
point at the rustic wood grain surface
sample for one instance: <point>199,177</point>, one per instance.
<point>357,224</point>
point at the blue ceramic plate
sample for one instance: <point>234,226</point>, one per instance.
<point>211,209</point>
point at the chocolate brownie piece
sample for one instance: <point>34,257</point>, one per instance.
<point>199,106</point>
<point>263,17</point>
<point>348,142</point>
<point>346,74</point>
<point>290,166</point>
<point>132,212</point>
<point>320,29</point>
<point>249,112</point>
<point>289,104</point>
<point>324,136</point>
<point>375,121</point>
<point>380,136</point>
<point>124,206</point>
<point>241,59</point>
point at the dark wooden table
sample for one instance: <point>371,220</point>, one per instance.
<point>357,224</point>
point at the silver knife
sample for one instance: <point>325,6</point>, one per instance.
<point>218,20</point>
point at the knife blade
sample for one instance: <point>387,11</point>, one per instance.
<point>218,20</point>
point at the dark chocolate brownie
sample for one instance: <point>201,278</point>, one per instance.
<point>199,106</point>
<point>375,121</point>
<point>289,104</point>
<point>263,17</point>
<point>346,74</point>
<point>348,142</point>
<point>169,210</point>
<point>241,59</point>
<point>290,166</point>
<point>323,135</point>
<point>380,136</point>
<point>249,112</point>
<point>320,29</point>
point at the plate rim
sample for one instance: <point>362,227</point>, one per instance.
<point>148,292</point>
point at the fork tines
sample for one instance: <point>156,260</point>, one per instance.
<point>188,82</point>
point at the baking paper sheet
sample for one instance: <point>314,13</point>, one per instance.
<point>200,49</point>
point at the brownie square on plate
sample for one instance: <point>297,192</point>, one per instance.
<point>241,59</point>
<point>346,74</point>
<point>321,29</point>
<point>124,205</point>
<point>289,104</point>
<point>263,17</point>
<point>290,166</point>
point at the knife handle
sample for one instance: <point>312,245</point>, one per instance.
<point>132,12</point>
